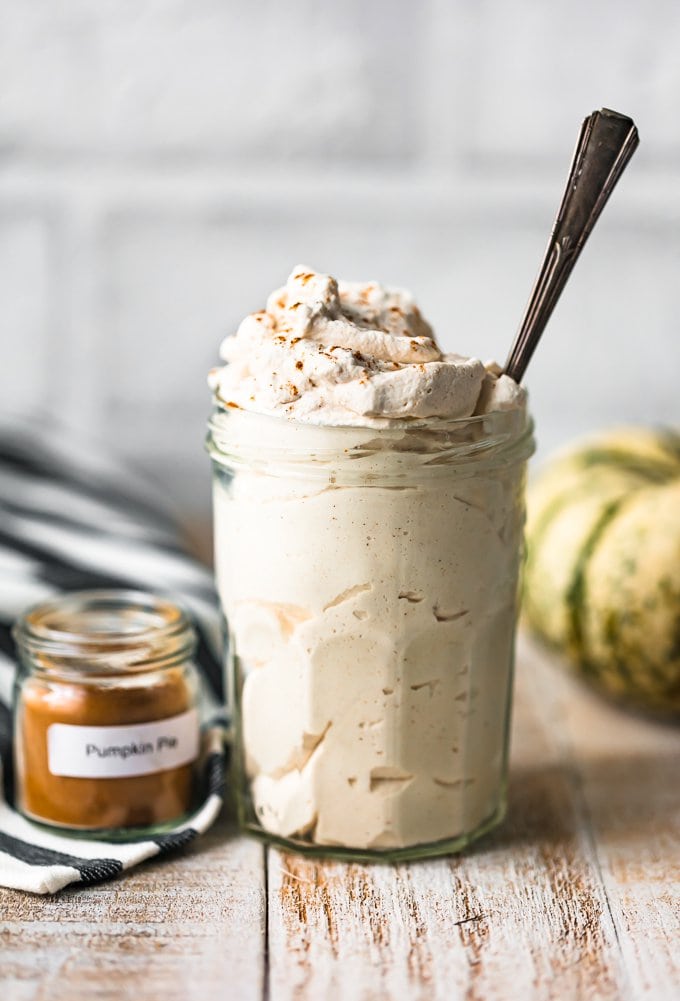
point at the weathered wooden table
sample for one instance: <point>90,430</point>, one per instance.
<point>577,897</point>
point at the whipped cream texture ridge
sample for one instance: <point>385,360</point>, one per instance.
<point>351,353</point>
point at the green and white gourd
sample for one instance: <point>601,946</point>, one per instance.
<point>602,577</point>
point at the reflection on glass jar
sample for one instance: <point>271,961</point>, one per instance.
<point>369,581</point>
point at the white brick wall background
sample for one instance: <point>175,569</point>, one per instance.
<point>164,163</point>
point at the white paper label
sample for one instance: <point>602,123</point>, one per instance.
<point>111,752</point>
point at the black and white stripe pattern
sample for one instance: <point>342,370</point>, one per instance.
<point>72,519</point>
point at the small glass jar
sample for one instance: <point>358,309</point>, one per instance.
<point>369,580</point>
<point>106,722</point>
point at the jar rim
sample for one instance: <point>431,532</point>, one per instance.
<point>107,631</point>
<point>236,435</point>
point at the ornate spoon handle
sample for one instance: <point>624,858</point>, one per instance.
<point>605,145</point>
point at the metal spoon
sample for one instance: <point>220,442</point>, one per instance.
<point>605,145</point>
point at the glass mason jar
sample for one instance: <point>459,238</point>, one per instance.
<point>106,722</point>
<point>369,581</point>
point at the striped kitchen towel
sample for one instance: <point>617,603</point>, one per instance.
<point>72,518</point>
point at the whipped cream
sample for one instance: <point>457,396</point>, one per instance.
<point>369,580</point>
<point>350,353</point>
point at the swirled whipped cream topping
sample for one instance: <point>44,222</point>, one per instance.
<point>351,353</point>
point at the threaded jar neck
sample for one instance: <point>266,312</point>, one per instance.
<point>88,635</point>
<point>404,448</point>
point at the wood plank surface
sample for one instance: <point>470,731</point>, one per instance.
<point>577,896</point>
<point>188,927</point>
<point>628,769</point>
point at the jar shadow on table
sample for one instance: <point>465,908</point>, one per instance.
<point>631,796</point>
<point>624,798</point>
